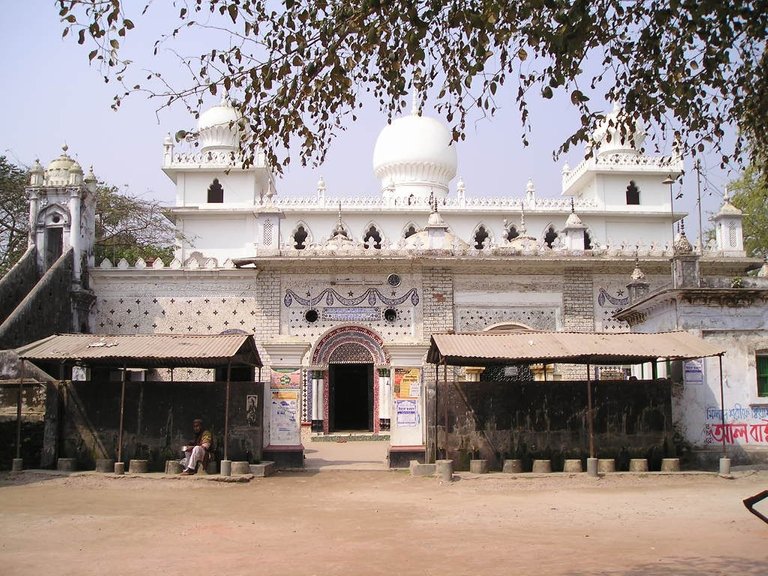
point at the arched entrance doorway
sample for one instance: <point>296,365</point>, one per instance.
<point>352,390</point>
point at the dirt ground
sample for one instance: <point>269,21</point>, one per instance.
<point>381,522</point>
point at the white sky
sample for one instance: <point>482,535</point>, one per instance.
<point>52,95</point>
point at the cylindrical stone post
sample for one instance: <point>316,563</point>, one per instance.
<point>725,466</point>
<point>478,466</point>
<point>572,466</point>
<point>445,470</point>
<point>542,466</point>
<point>173,467</point>
<point>138,466</point>
<point>638,465</point>
<point>606,465</point>
<point>105,465</point>
<point>512,466</point>
<point>66,465</point>
<point>670,465</point>
<point>17,465</point>
<point>592,466</point>
<point>226,467</point>
<point>240,467</point>
<point>119,468</point>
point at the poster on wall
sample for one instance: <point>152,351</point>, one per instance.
<point>285,388</point>
<point>407,382</point>
<point>693,372</point>
<point>284,423</point>
<point>286,378</point>
<point>252,409</point>
<point>407,413</point>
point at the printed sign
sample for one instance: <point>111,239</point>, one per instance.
<point>407,382</point>
<point>284,423</point>
<point>407,413</point>
<point>693,372</point>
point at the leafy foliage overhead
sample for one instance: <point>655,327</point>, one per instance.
<point>14,214</point>
<point>301,67</point>
<point>750,195</point>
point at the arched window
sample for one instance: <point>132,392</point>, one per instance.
<point>512,233</point>
<point>550,236</point>
<point>481,235</point>
<point>372,238</point>
<point>633,194</point>
<point>409,231</point>
<point>299,238</point>
<point>587,240</point>
<point>215,192</point>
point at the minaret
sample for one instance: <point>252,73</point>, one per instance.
<point>729,233</point>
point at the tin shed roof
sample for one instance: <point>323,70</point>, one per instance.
<point>482,348</point>
<point>145,350</point>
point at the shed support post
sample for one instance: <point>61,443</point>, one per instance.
<point>590,419</point>
<point>226,414</point>
<point>18,411</point>
<point>122,411</point>
<point>445,410</point>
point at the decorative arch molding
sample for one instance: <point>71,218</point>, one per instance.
<point>508,327</point>
<point>482,235</point>
<point>308,241</point>
<point>46,216</point>
<point>407,230</point>
<point>372,225</point>
<point>550,235</point>
<point>352,343</point>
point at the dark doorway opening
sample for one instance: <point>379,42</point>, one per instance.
<point>350,398</point>
<point>54,245</point>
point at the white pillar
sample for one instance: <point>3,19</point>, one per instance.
<point>75,241</point>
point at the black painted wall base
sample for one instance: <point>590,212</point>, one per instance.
<point>285,456</point>
<point>401,456</point>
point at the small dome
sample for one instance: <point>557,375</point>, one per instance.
<point>682,245</point>
<point>573,221</point>
<point>218,127</point>
<point>57,173</point>
<point>415,156</point>
<point>608,138</point>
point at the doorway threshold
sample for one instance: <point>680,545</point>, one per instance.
<point>350,437</point>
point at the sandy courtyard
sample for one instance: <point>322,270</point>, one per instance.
<point>381,522</point>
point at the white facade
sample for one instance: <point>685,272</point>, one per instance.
<point>350,290</point>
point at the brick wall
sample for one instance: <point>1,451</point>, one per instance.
<point>578,312</point>
<point>438,301</point>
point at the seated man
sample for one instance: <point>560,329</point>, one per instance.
<point>196,450</point>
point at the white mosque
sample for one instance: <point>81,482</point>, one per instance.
<point>342,294</point>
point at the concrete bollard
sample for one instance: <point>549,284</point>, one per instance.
<point>638,465</point>
<point>512,466</point>
<point>542,467</point>
<point>444,470</point>
<point>478,466</point>
<point>606,465</point>
<point>138,466</point>
<point>418,469</point>
<point>240,467</point>
<point>173,467</point>
<point>265,469</point>
<point>592,466</point>
<point>725,466</point>
<point>670,465</point>
<point>572,466</point>
<point>119,468</point>
<point>17,465</point>
<point>66,464</point>
<point>105,465</point>
<point>226,467</point>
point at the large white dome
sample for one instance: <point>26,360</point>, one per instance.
<point>414,157</point>
<point>218,127</point>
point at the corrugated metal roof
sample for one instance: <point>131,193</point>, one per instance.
<point>480,348</point>
<point>145,350</point>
